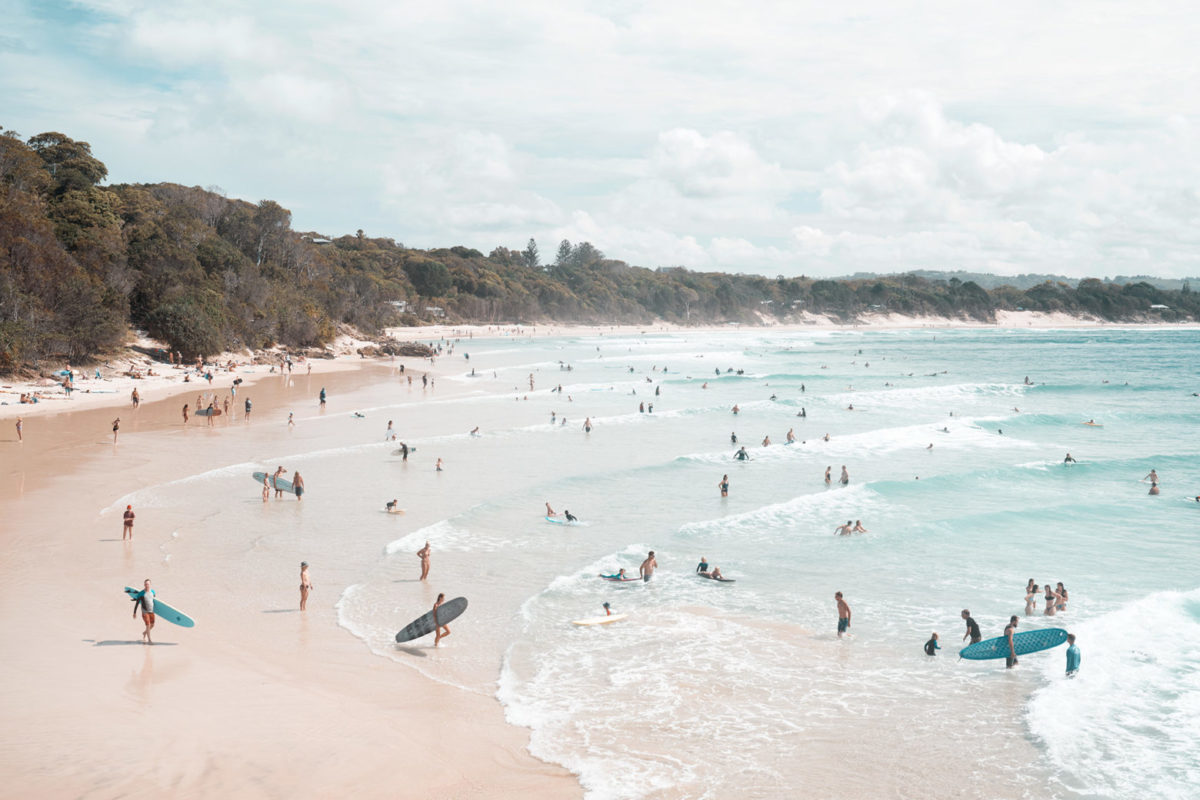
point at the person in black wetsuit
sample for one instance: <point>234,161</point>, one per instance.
<point>931,647</point>
<point>570,517</point>
<point>972,627</point>
<point>733,438</point>
<point>742,455</point>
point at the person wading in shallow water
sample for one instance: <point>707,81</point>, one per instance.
<point>305,584</point>
<point>441,631</point>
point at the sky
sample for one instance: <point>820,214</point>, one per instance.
<point>778,138</point>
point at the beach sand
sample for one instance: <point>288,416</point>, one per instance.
<point>250,703</point>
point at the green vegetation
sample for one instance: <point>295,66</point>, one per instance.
<point>81,262</point>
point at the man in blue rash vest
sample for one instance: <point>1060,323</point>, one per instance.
<point>1073,656</point>
<point>702,567</point>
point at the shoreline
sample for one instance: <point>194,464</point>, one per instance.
<point>292,699</point>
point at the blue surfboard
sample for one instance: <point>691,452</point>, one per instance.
<point>1024,642</point>
<point>276,483</point>
<point>164,611</point>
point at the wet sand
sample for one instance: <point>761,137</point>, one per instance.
<point>253,702</point>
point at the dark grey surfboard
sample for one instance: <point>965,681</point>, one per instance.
<point>423,625</point>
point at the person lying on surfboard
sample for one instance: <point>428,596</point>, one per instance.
<point>570,517</point>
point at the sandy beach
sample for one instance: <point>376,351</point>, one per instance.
<point>246,704</point>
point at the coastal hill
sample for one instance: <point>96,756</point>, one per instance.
<point>81,262</point>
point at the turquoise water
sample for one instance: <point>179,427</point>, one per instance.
<point>744,689</point>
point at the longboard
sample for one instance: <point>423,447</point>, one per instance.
<point>561,521</point>
<point>393,511</point>
<point>276,483</point>
<point>706,576</point>
<point>1024,642</point>
<point>423,625</point>
<point>401,452</point>
<point>600,620</point>
<point>204,412</point>
<point>164,611</point>
<point>616,579</point>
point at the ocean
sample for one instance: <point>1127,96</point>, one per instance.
<point>714,690</point>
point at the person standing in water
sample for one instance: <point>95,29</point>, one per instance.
<point>828,477</point>
<point>1010,630</point>
<point>1154,488</point>
<point>116,426</point>
<point>1069,459</point>
<point>248,407</point>
<point>723,485</point>
<point>1073,656</point>
<point>423,554</point>
<point>127,529</point>
<point>305,585</point>
<point>322,396</point>
<point>185,413</point>
<point>298,486</point>
<point>438,466</point>
<point>21,428</point>
<point>145,602</point>
<point>843,530</point>
<point>845,479</point>
<point>440,631</point>
<point>1152,477</point>
<point>1052,600</point>
<point>843,610</point>
<point>858,527</point>
<point>932,646</point>
<point>1031,595</point>
<point>569,516</point>
<point>275,481</point>
<point>646,570</point>
<point>972,627</point>
<point>266,488</point>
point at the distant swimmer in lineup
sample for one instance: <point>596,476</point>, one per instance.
<point>844,530</point>
<point>1010,660</point>
<point>723,485</point>
<point>145,603</point>
<point>438,466</point>
<point>766,441</point>
<point>569,516</point>
<point>441,631</point>
<point>828,475</point>
<point>858,527</point>
<point>843,610</point>
<point>1073,656</point>
<point>972,627</point>
<point>1093,423</point>
<point>791,436</point>
<point>741,454</point>
<point>298,485</point>
<point>550,512</point>
<point>1154,488</point>
<point>127,528</point>
<point>845,479</point>
<point>735,409</point>
<point>1152,477</point>
<point>305,584</point>
<point>932,646</point>
<point>646,570</point>
<point>423,554</point>
<point>702,567</point>
<point>1069,460</point>
<point>475,431</point>
<point>1032,592</point>
<point>732,438</point>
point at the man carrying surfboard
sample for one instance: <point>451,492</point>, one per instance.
<point>145,601</point>
<point>440,631</point>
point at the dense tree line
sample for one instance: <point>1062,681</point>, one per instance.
<point>80,262</point>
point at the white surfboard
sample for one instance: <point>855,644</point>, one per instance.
<point>600,620</point>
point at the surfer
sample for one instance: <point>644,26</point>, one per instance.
<point>845,479</point>
<point>702,567</point>
<point>741,454</point>
<point>858,527</point>
<point>843,614</point>
<point>275,481</point>
<point>646,570</point>
<point>550,512</point>
<point>972,627</point>
<point>716,574</point>
<point>723,485</point>
<point>441,631</point>
<point>392,504</point>
<point>1010,660</point>
<point>1091,422</point>
<point>766,441</point>
<point>1073,656</point>
<point>403,452</point>
<point>423,554</point>
<point>390,434</point>
<point>1069,459</point>
<point>828,479</point>
<point>931,647</point>
<point>1152,477</point>
<point>298,486</point>
<point>145,601</point>
<point>570,517</point>
<point>843,530</point>
<point>127,530</point>
<point>732,437</point>
<point>305,584</point>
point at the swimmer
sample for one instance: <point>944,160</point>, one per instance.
<point>570,517</point>
<point>392,505</point>
<point>735,409</point>
<point>828,479</point>
<point>438,466</point>
<point>1069,459</point>
<point>766,441</point>
<point>843,530</point>
<point>732,438</point>
<point>791,436</point>
<point>845,479</point>
<point>858,527</point>
<point>741,454</point>
<point>702,567</point>
<point>931,647</point>
<point>1093,423</point>
<point>723,485</point>
<point>1154,488</point>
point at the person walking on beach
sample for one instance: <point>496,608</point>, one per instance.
<point>116,426</point>
<point>135,398</point>
<point>1010,660</point>
<point>20,428</point>
<point>1073,656</point>
<point>646,570</point>
<point>305,584</point>
<point>932,646</point>
<point>145,602</point>
<point>298,486</point>
<point>438,466</point>
<point>248,407</point>
<point>440,631</point>
<point>403,452</point>
<point>843,610</point>
<point>127,528</point>
<point>723,485</point>
<point>322,397</point>
<point>185,413</point>
<point>291,420</point>
<point>972,627</point>
<point>423,554</point>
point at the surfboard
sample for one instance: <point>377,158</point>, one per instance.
<point>616,579</point>
<point>164,611</point>
<point>600,620</point>
<point>561,521</point>
<point>423,625</point>
<point>204,412</point>
<point>393,510</point>
<point>1023,642</point>
<point>411,450</point>
<point>708,577</point>
<point>280,483</point>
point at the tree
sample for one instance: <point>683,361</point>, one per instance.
<point>532,259</point>
<point>564,254</point>
<point>71,163</point>
<point>429,278</point>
